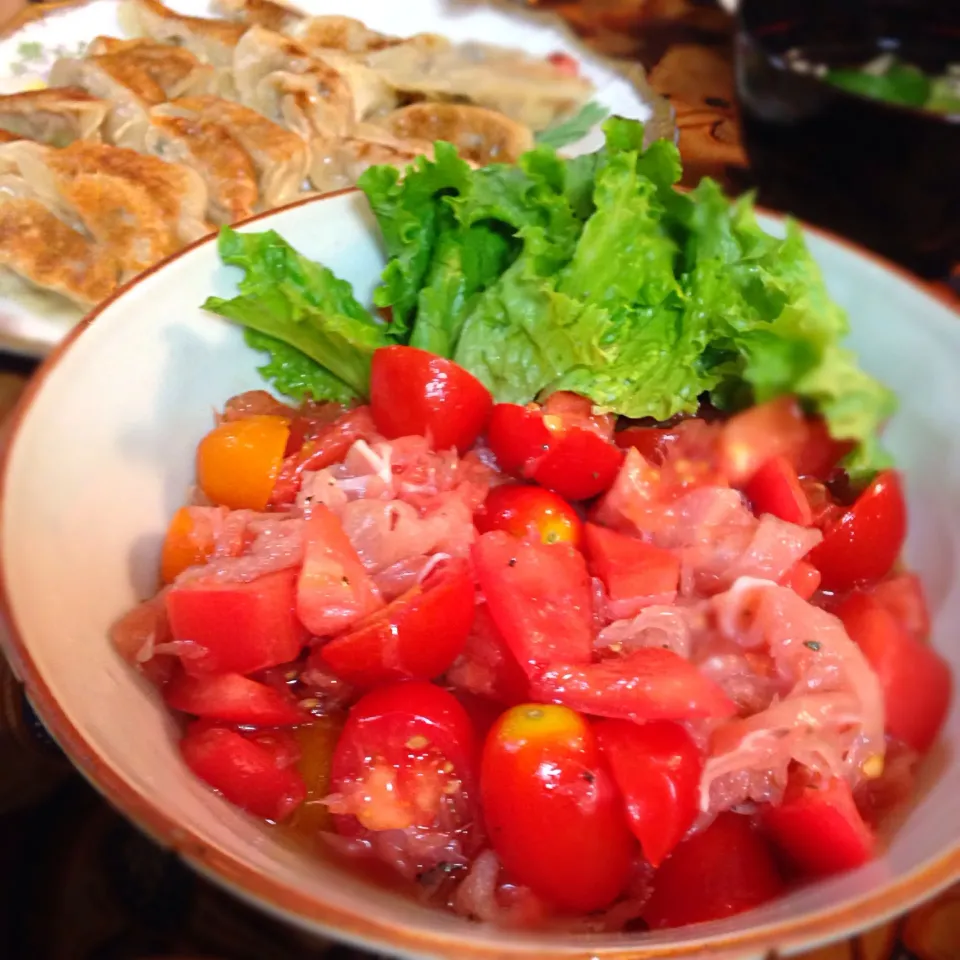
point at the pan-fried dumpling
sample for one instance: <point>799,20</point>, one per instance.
<point>176,71</point>
<point>281,158</point>
<point>478,134</point>
<point>337,164</point>
<point>209,148</point>
<point>264,13</point>
<point>277,77</point>
<point>7,137</point>
<point>531,91</point>
<point>56,116</point>
<point>372,95</point>
<point>339,33</point>
<point>212,41</point>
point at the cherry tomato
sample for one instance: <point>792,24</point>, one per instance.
<point>648,684</point>
<point>237,627</point>
<point>518,437</point>
<point>187,544</point>
<point>820,454</point>
<point>631,569</point>
<point>415,637</point>
<point>238,461</point>
<point>819,829</point>
<point>863,545</point>
<point>750,439</point>
<point>334,591</point>
<point>413,391</point>
<point>652,442</point>
<point>406,758</point>
<point>249,774</point>
<point>915,679</point>
<point>539,597</point>
<point>234,699</point>
<point>551,808</point>
<point>719,872</point>
<point>657,768</point>
<point>803,578</point>
<point>775,489</point>
<point>904,597</point>
<point>527,511</point>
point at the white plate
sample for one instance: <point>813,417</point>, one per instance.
<point>33,324</point>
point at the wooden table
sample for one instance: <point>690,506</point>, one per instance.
<point>78,883</point>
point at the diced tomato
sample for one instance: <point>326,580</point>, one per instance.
<point>136,634</point>
<point>915,679</point>
<point>652,442</point>
<point>819,829</point>
<point>334,591</point>
<point>648,684</point>
<point>416,637</point>
<point>518,437</point>
<point>719,872</point>
<point>631,569</point>
<point>863,545</point>
<point>820,454</point>
<point>539,597</point>
<point>803,578</point>
<point>413,391</point>
<point>775,489</point>
<point>246,773</point>
<point>904,597</point>
<point>657,768</point>
<point>406,758</point>
<point>234,699</point>
<point>564,63</point>
<point>238,461</point>
<point>551,809</point>
<point>237,627</point>
<point>529,511</point>
<point>750,439</point>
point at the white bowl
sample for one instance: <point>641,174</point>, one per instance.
<point>102,454</point>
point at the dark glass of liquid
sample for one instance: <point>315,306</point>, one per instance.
<point>885,175</point>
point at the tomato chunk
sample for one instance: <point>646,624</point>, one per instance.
<point>234,699</point>
<point>649,684</point>
<point>803,578</point>
<point>775,489</point>
<point>904,597</point>
<point>238,461</point>
<point>657,768</point>
<point>334,590</point>
<point>237,627</point>
<point>652,442</point>
<point>631,569</point>
<point>247,773</point>
<point>819,829</point>
<point>915,679</point>
<point>719,872</point>
<point>551,808</point>
<point>415,637</point>
<point>413,391</point>
<point>820,454</point>
<point>528,511</point>
<point>539,597</point>
<point>863,545</point>
<point>750,439</point>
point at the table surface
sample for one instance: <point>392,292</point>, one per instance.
<point>78,883</point>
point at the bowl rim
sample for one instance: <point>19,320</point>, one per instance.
<point>289,902</point>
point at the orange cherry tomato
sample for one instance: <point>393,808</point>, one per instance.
<point>238,461</point>
<point>187,544</point>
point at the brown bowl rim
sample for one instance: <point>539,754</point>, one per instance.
<point>293,904</point>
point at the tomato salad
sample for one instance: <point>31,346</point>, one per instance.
<point>545,668</point>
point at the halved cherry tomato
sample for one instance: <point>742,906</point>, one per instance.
<point>652,442</point>
<point>648,684</point>
<point>579,464</point>
<point>186,544</point>
<point>803,578</point>
<point>820,454</point>
<point>750,439</point>
<point>334,591</point>
<point>631,569</point>
<point>413,391</point>
<point>551,808</point>
<point>903,595</point>
<point>719,872</point>
<point>863,545</point>
<point>775,489</point>
<point>824,509</point>
<point>237,627</point>
<point>234,699</point>
<point>518,437</point>
<point>539,597</point>
<point>416,637</point>
<point>238,461</point>
<point>250,775</point>
<point>406,758</point>
<point>819,829</point>
<point>916,681</point>
<point>528,511</point>
<point>657,768</point>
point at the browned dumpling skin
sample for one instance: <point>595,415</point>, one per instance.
<point>341,33</point>
<point>211,40</point>
<point>55,115</point>
<point>264,13</point>
<point>7,137</point>
<point>481,135</point>
<point>176,71</point>
<point>281,158</point>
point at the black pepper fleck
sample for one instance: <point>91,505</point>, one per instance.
<point>589,777</point>
<point>512,562</point>
<point>812,644</point>
<point>345,581</point>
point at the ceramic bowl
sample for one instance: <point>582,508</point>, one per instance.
<point>101,454</point>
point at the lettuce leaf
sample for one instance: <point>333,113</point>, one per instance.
<point>293,374</point>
